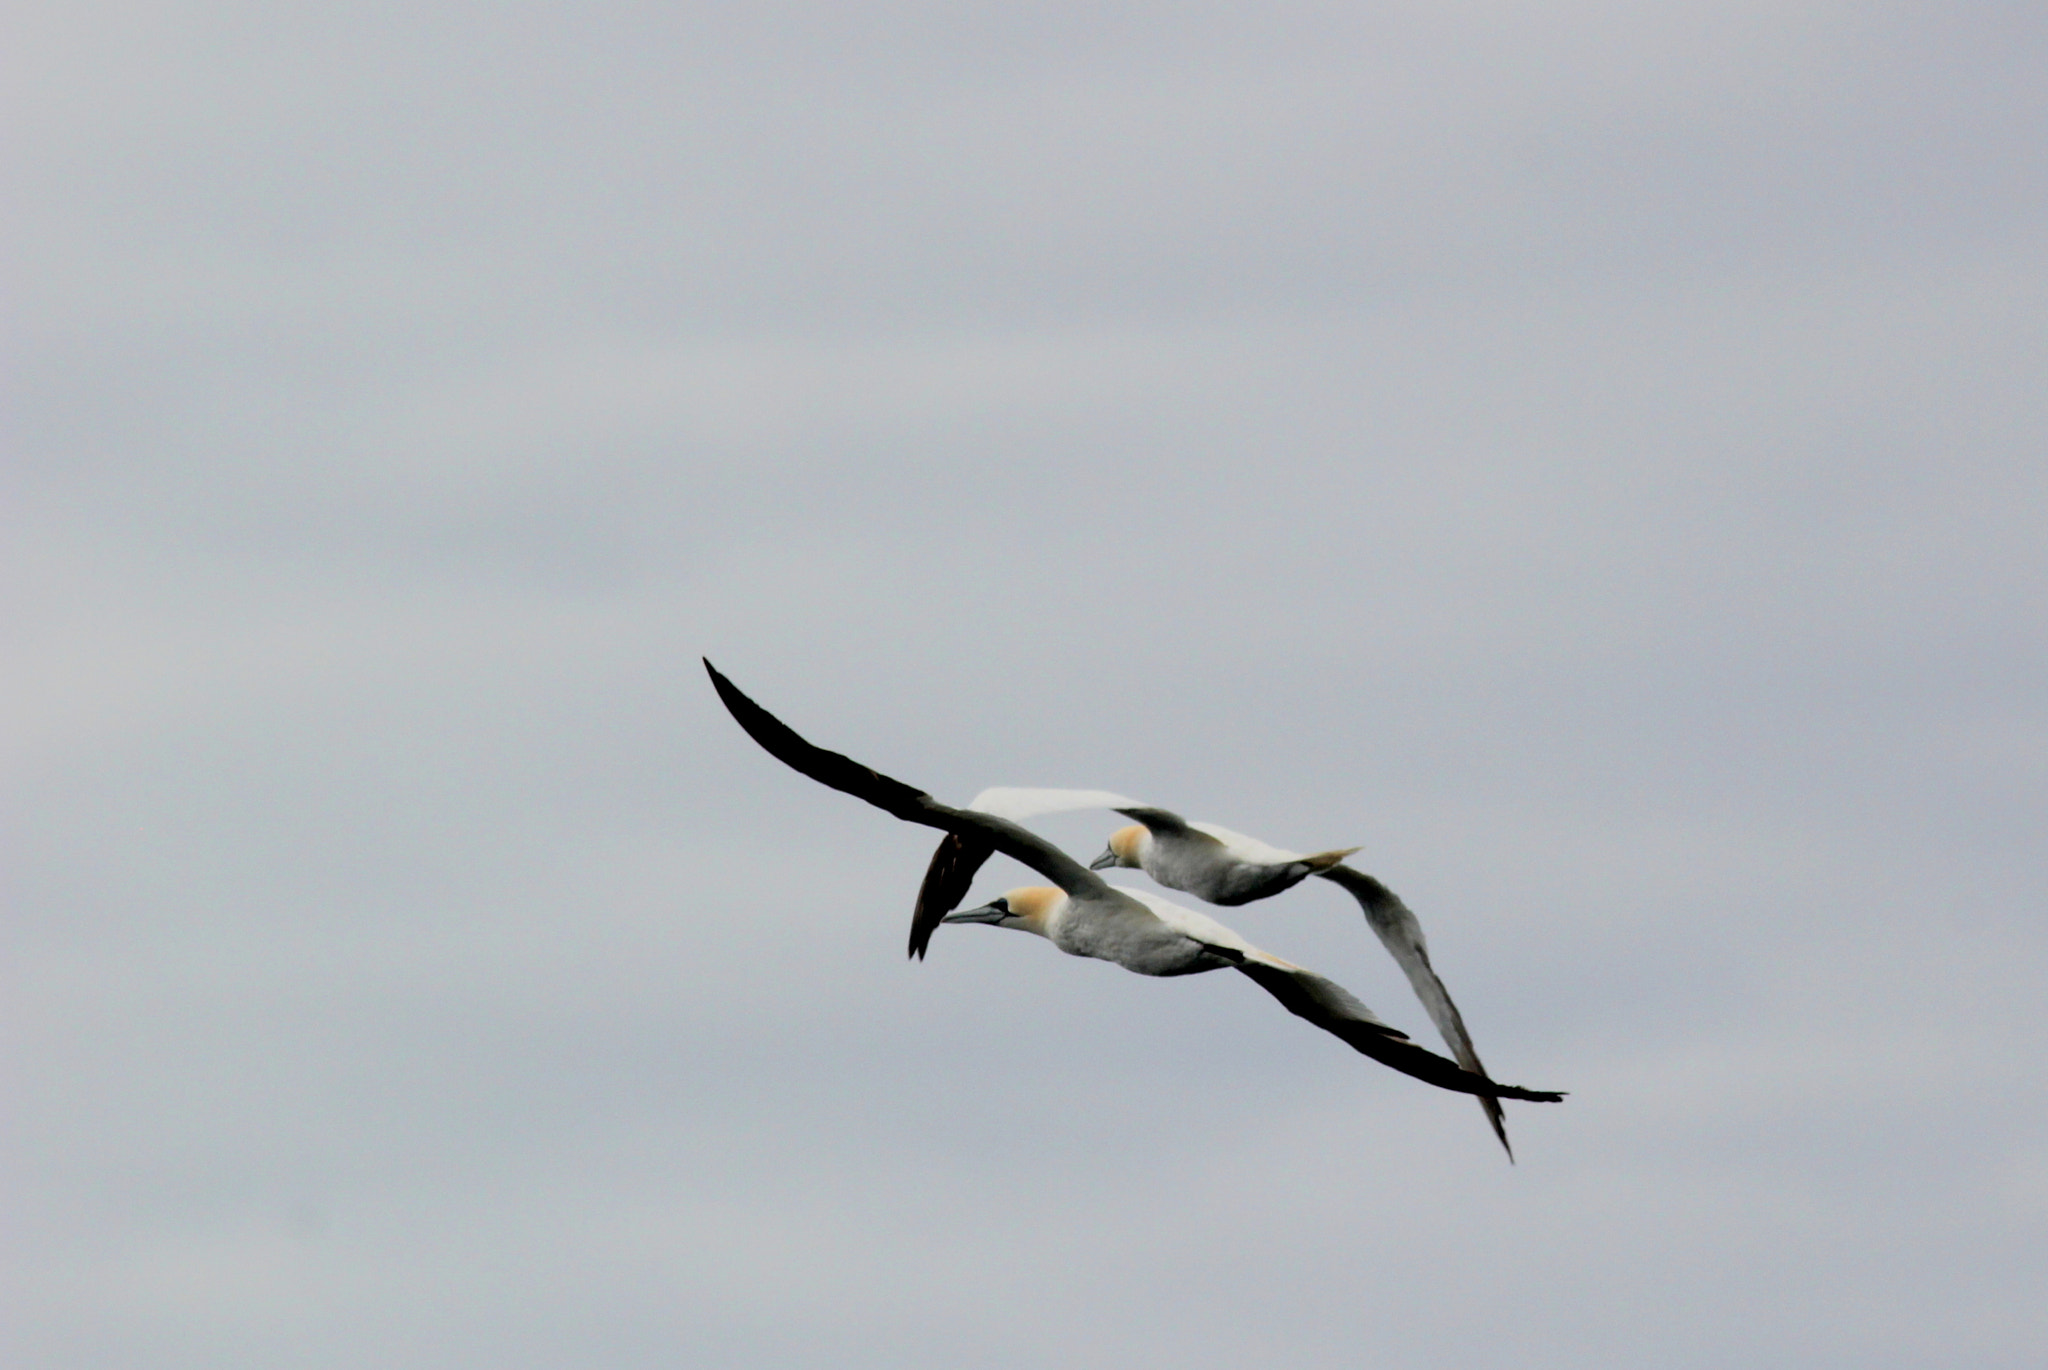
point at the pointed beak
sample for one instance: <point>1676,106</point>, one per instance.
<point>987,913</point>
<point>1104,861</point>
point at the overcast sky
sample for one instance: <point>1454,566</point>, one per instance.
<point>1589,455</point>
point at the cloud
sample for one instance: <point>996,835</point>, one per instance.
<point>1586,454</point>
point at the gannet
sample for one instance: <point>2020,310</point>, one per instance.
<point>1217,865</point>
<point>1087,916</point>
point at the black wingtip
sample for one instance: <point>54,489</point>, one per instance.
<point>842,773</point>
<point>1500,1129</point>
<point>727,691</point>
<point>947,879</point>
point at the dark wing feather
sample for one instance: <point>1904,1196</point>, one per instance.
<point>1159,820</point>
<point>1166,820</point>
<point>904,801</point>
<point>1297,992</point>
<point>945,885</point>
<point>827,768</point>
<point>1401,933</point>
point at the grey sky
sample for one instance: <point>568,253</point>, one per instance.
<point>1592,455</point>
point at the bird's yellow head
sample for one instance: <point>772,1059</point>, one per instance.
<point>1030,908</point>
<point>1126,846</point>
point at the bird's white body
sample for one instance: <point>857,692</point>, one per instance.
<point>1213,863</point>
<point>1139,931</point>
<point>1142,932</point>
<point>1207,860</point>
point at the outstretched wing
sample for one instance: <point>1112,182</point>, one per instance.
<point>906,802</point>
<point>946,882</point>
<point>1332,1008</point>
<point>1018,804</point>
<point>1401,933</point>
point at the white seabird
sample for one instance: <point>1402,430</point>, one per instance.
<point>1087,916</point>
<point>1220,866</point>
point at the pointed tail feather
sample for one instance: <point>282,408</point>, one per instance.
<point>1323,860</point>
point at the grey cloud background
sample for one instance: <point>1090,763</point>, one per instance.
<point>1590,454</point>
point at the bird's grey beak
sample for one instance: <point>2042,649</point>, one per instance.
<point>987,913</point>
<point>1104,861</point>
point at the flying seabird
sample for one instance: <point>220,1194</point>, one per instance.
<point>1213,864</point>
<point>1087,916</point>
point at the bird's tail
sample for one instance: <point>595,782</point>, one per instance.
<point>1323,860</point>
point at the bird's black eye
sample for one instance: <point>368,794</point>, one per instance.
<point>1003,904</point>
